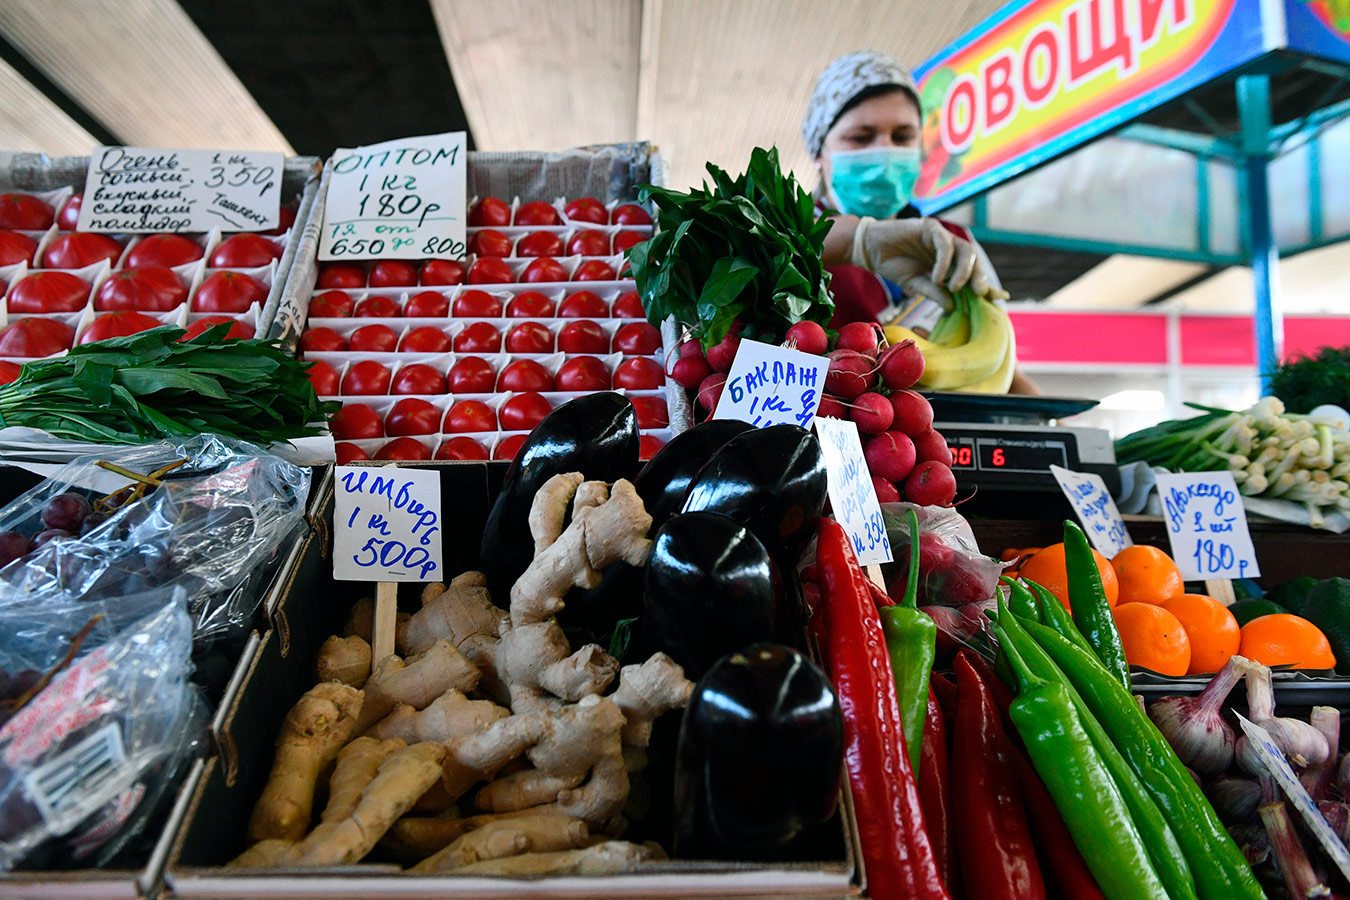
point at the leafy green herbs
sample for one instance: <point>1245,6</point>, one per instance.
<point>149,385</point>
<point>1307,382</point>
<point>750,248</point>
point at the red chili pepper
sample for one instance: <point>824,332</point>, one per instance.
<point>986,799</point>
<point>945,689</point>
<point>897,855</point>
<point>879,597</point>
<point>1001,693</point>
<point>934,793</point>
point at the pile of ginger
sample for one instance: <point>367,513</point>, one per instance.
<point>485,745</point>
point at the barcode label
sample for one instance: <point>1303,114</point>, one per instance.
<point>71,777</point>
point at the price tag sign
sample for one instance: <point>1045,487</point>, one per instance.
<point>1207,526</point>
<point>140,189</point>
<point>772,385</point>
<point>387,524</point>
<point>852,497</point>
<point>402,199</point>
<point>1095,509</point>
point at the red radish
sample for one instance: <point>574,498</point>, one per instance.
<point>913,414</point>
<point>901,365</point>
<point>721,355</point>
<point>691,348</point>
<point>890,455</point>
<point>872,413</point>
<point>348,452</point>
<point>710,391</point>
<point>930,484</point>
<point>864,337</point>
<point>886,491</point>
<point>809,337</point>
<point>850,374</point>
<point>689,371</point>
<point>932,446</point>
<point>832,408</point>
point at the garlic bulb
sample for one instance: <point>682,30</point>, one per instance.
<point>1301,742</point>
<point>1194,726</point>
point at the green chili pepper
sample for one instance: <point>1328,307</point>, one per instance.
<point>1020,600</point>
<point>911,640</point>
<point>1091,612</point>
<point>1082,788</point>
<point>1221,872</point>
<point>1164,851</point>
<point>1057,617</point>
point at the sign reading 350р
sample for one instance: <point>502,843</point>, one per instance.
<point>403,199</point>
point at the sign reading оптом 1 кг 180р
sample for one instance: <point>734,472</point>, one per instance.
<point>402,199</point>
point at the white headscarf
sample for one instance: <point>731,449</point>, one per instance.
<point>844,79</point>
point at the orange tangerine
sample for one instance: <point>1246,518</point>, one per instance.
<point>1047,569</point>
<point>1153,638</point>
<point>1147,575</point>
<point>1282,639</point>
<point>1213,631</point>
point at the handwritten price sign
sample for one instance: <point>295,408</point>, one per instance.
<point>770,385</point>
<point>1095,509</point>
<point>1207,526</point>
<point>387,524</point>
<point>852,497</point>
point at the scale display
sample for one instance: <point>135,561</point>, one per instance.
<point>1009,455</point>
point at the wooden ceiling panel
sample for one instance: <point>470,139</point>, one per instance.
<point>29,121</point>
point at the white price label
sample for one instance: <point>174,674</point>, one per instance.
<point>402,199</point>
<point>1207,526</point>
<point>387,524</point>
<point>772,385</point>
<point>75,777</point>
<point>852,497</point>
<point>1095,509</point>
<point>153,189</point>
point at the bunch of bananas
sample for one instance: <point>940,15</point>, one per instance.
<point>972,348</point>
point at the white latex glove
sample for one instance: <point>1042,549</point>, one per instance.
<point>901,249</point>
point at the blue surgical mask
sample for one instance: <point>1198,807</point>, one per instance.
<point>876,182</point>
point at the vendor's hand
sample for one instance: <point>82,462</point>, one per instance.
<point>900,249</point>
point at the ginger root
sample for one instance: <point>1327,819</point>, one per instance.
<point>344,659</point>
<point>646,691</point>
<point>533,661</point>
<point>361,620</point>
<point>605,858</point>
<point>451,716</point>
<point>414,839</point>
<point>357,764</point>
<point>265,854</point>
<point>508,837</point>
<point>417,681</point>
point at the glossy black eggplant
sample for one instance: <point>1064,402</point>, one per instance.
<point>664,481</point>
<point>711,589</point>
<point>596,435</point>
<point>760,757</point>
<point>772,480</point>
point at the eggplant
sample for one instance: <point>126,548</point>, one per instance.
<point>760,757</point>
<point>596,435</point>
<point>664,481</point>
<point>711,589</point>
<point>772,480</point>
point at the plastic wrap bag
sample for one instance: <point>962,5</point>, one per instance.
<point>952,571</point>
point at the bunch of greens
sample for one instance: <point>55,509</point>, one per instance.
<point>1310,381</point>
<point>146,386</point>
<point>749,248</point>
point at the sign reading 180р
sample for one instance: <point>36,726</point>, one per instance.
<point>402,199</point>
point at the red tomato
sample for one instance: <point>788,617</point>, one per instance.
<point>490,242</point>
<point>80,249</point>
<point>648,445</point>
<point>68,219</point>
<point>490,270</point>
<point>594,270</point>
<point>625,239</point>
<point>427,305</point>
<point>477,305</point>
<point>544,270</point>
<point>245,251</point>
<point>285,219</point>
<point>469,416</point>
<point>589,242</point>
<point>405,449</point>
<point>480,337</point>
<point>491,212</point>
<point>118,324</point>
<point>167,250</point>
<point>637,339</point>
<point>540,243</point>
<point>15,247</point>
<point>508,447</point>
<point>356,422</point>
<point>36,337</point>
<point>529,305</point>
<point>529,337</point>
<point>461,448</point>
<point>583,336</point>
<point>342,275</point>
<point>324,378</point>
<point>348,452</point>
<point>392,273</point>
<point>425,339</point>
<point>373,339</point>
<point>524,411</point>
<point>583,373</point>
<point>9,371</point>
<point>441,271</point>
<point>412,416</point>
<point>229,292</point>
<point>629,306</point>
<point>537,213</point>
<point>583,305</point>
<point>365,378</point>
<point>418,378</point>
<point>25,213</point>
<point>377,307</point>
<point>631,214</point>
<point>472,375</point>
<point>322,340</point>
<point>525,375</point>
<point>587,209</point>
<point>150,288</point>
<point>237,329</point>
<point>331,305</point>
<point>639,374</point>
<point>651,412</point>
<point>48,292</point>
